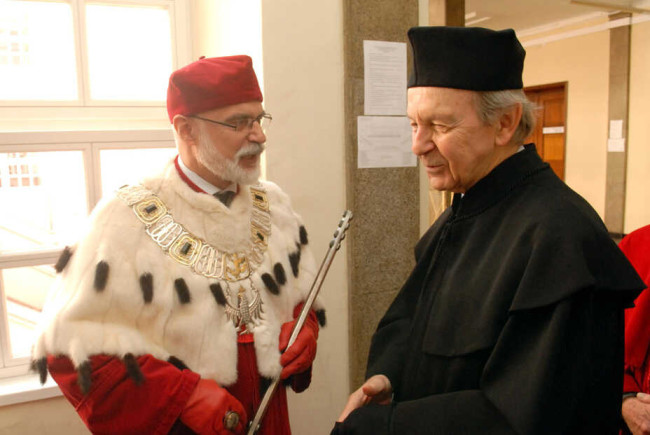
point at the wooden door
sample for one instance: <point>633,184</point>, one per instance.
<point>550,130</point>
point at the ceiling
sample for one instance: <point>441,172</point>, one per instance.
<point>523,15</point>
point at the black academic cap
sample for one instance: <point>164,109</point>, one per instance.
<point>471,58</point>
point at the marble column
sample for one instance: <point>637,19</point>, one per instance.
<point>385,201</point>
<point>619,85</point>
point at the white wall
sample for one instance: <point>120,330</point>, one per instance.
<point>303,76</point>
<point>583,62</point>
<point>637,207</point>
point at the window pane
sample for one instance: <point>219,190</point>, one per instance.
<point>120,167</point>
<point>37,51</point>
<point>133,63</point>
<point>47,214</point>
<point>25,289</point>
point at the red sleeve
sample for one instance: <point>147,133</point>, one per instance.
<point>115,404</point>
<point>636,247</point>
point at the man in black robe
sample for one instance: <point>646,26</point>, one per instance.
<point>512,319</point>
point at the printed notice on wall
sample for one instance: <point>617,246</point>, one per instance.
<point>616,145</point>
<point>616,129</point>
<point>384,142</point>
<point>616,141</point>
<point>384,65</point>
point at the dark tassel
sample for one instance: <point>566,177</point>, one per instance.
<point>217,292</point>
<point>180,365</point>
<point>133,369</point>
<point>294,260</point>
<point>83,378</point>
<point>62,262</point>
<point>322,319</point>
<point>270,284</point>
<point>101,276</point>
<point>146,285</point>
<point>182,290</point>
<point>40,366</point>
<point>303,235</point>
<point>280,276</point>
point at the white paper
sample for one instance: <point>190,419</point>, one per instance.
<point>616,129</point>
<point>616,145</point>
<point>384,142</point>
<point>384,65</point>
<point>553,130</point>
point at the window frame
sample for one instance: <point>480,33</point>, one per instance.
<point>179,12</point>
<point>90,143</point>
<point>87,126</point>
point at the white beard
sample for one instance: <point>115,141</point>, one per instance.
<point>228,169</point>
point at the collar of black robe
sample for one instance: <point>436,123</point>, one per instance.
<point>499,182</point>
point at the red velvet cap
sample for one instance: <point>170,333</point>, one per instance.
<point>210,83</point>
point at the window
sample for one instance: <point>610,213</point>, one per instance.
<point>84,113</point>
<point>19,171</point>
<point>55,185</point>
<point>87,52</point>
<point>36,37</point>
<point>134,63</point>
<point>86,103</point>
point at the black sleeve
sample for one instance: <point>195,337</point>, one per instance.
<point>554,369</point>
<point>371,419</point>
<point>391,338</point>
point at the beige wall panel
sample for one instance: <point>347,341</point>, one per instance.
<point>303,75</point>
<point>584,63</point>
<point>637,210</point>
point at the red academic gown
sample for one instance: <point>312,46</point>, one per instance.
<point>636,247</point>
<point>115,404</point>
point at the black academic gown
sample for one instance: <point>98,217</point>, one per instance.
<point>511,321</point>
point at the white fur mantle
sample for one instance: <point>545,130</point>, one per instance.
<point>80,321</point>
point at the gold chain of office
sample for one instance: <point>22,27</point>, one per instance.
<point>190,250</point>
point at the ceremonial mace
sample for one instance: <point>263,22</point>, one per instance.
<point>335,244</point>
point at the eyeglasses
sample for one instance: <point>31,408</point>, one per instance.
<point>243,124</point>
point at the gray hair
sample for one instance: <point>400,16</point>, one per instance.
<point>490,105</point>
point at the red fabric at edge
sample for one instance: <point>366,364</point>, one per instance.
<point>115,404</point>
<point>636,247</point>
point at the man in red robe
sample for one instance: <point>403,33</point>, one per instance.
<point>173,311</point>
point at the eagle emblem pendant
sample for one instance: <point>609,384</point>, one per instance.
<point>247,312</point>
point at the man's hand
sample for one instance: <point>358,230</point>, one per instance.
<point>636,413</point>
<point>300,356</point>
<point>377,389</point>
<point>210,411</point>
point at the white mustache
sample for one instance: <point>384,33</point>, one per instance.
<point>251,149</point>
